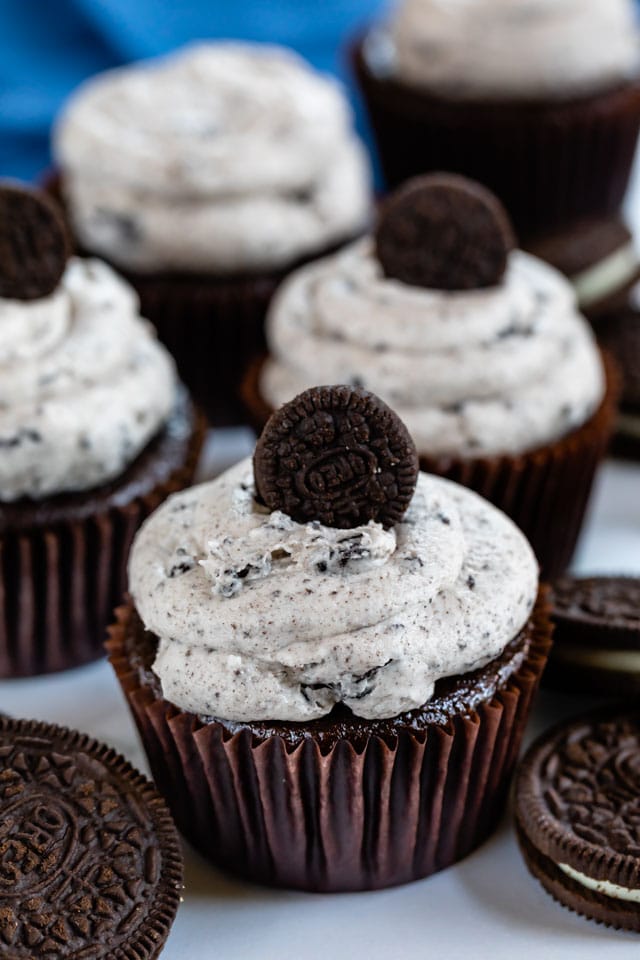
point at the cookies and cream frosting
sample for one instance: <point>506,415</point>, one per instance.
<point>499,370</point>
<point>84,384</point>
<point>223,158</point>
<point>509,49</point>
<point>260,617</point>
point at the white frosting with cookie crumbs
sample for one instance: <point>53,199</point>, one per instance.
<point>262,618</point>
<point>501,370</point>
<point>508,49</point>
<point>221,158</point>
<point>84,384</point>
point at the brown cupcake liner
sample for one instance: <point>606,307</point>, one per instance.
<point>352,816</point>
<point>213,328</point>
<point>60,579</point>
<point>551,163</point>
<point>545,492</point>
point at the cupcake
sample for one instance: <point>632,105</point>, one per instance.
<point>539,101</point>
<point>330,656</point>
<point>95,430</point>
<point>478,346</point>
<point>205,177</point>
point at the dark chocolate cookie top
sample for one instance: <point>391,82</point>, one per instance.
<point>610,602</point>
<point>578,795</point>
<point>90,861</point>
<point>444,232</point>
<point>337,455</point>
<point>34,246</point>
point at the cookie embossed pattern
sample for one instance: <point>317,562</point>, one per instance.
<point>578,815</point>
<point>90,862</point>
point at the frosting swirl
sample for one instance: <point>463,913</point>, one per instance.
<point>223,157</point>
<point>259,617</point>
<point>505,49</point>
<point>84,384</point>
<point>471,373</point>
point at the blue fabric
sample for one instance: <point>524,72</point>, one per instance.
<point>48,46</point>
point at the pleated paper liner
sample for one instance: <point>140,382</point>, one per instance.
<point>545,492</point>
<point>63,560</point>
<point>551,163</point>
<point>359,812</point>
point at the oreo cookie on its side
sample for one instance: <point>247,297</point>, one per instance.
<point>338,456</point>
<point>577,810</point>
<point>619,333</point>
<point>444,232</point>
<point>34,243</point>
<point>597,636</point>
<point>600,259</point>
<point>90,860</point>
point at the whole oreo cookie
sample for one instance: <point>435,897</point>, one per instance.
<point>597,636</point>
<point>34,246</point>
<point>337,455</point>
<point>444,232</point>
<point>90,861</point>
<point>577,808</point>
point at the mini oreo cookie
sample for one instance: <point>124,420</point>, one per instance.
<point>577,810</point>
<point>597,636</point>
<point>337,455</point>
<point>90,861</point>
<point>444,232</point>
<point>34,246</point>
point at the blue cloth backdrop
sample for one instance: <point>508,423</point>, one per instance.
<point>48,46</point>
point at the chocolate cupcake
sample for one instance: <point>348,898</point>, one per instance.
<point>540,102</point>
<point>95,431</point>
<point>332,703</point>
<point>479,347</point>
<point>205,177</point>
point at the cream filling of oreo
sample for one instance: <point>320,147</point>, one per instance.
<point>605,887</point>
<point>262,618</point>
<point>618,661</point>
<point>607,276</point>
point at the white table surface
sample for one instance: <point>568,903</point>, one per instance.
<point>486,906</point>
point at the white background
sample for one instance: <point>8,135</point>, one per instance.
<point>487,906</point>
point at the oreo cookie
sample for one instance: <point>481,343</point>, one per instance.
<point>444,232</point>
<point>90,861</point>
<point>598,256</point>
<point>337,455</point>
<point>619,334</point>
<point>34,245</point>
<point>597,636</point>
<point>577,809</point>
